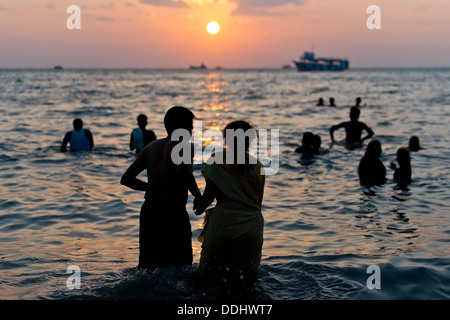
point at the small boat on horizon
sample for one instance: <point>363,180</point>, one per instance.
<point>200,67</point>
<point>58,67</point>
<point>308,62</point>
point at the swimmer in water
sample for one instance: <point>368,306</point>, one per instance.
<point>353,129</point>
<point>310,145</point>
<point>320,102</point>
<point>332,104</point>
<point>402,174</point>
<point>307,143</point>
<point>371,170</point>
<point>79,138</point>
<point>358,103</point>
<point>140,137</point>
<point>414,144</point>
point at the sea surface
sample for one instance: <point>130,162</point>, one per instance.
<point>322,229</point>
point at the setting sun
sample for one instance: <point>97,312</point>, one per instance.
<point>213,27</point>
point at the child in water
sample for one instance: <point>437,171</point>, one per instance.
<point>403,173</point>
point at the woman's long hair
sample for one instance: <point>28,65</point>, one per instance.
<point>240,145</point>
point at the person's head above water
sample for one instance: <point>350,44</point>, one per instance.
<point>178,117</point>
<point>78,124</point>
<point>307,138</point>
<point>358,101</point>
<point>414,143</point>
<point>317,141</point>
<point>374,149</point>
<point>354,113</point>
<point>241,158</point>
<point>403,157</point>
<point>142,120</point>
<point>247,129</point>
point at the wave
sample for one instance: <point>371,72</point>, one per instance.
<point>327,277</point>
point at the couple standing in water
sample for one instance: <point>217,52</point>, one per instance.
<point>233,230</point>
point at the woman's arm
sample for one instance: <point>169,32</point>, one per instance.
<point>129,177</point>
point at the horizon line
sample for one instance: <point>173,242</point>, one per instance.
<point>219,68</point>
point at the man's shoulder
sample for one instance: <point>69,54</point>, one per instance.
<point>156,145</point>
<point>362,124</point>
<point>342,124</point>
<point>149,133</point>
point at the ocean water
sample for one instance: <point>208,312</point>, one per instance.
<point>322,229</point>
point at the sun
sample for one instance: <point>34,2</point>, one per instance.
<point>213,27</point>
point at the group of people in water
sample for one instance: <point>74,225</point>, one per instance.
<point>232,235</point>
<point>332,103</point>
<point>80,139</point>
<point>371,170</point>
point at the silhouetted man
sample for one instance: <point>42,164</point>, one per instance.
<point>353,128</point>
<point>140,137</point>
<point>358,102</point>
<point>332,104</point>
<point>79,138</point>
<point>165,237</point>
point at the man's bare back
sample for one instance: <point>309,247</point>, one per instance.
<point>165,231</point>
<point>165,179</point>
<point>353,128</point>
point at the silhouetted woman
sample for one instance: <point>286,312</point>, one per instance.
<point>371,170</point>
<point>233,235</point>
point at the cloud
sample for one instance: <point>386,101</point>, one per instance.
<point>165,3</point>
<point>104,18</point>
<point>3,9</point>
<point>243,7</point>
<point>50,6</point>
<point>261,7</point>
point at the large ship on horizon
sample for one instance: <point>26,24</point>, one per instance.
<point>308,62</point>
<point>200,67</point>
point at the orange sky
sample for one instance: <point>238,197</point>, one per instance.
<point>254,33</point>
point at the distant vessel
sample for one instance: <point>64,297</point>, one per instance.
<point>201,67</point>
<point>308,62</point>
<point>58,67</point>
<point>286,66</point>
